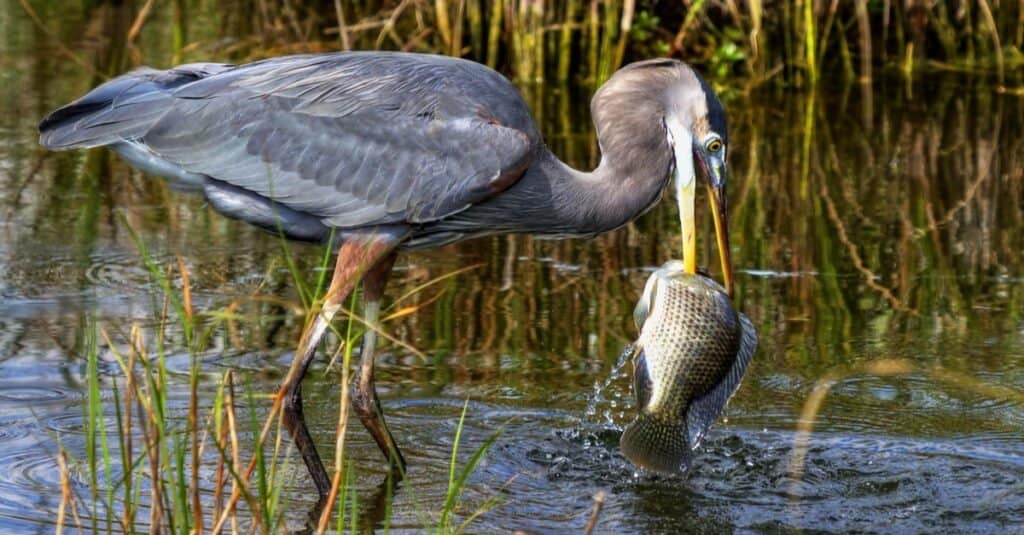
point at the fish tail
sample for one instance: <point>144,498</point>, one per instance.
<point>656,444</point>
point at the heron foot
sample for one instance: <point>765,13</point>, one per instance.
<point>295,422</point>
<point>367,407</point>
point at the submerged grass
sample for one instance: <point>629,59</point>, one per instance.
<point>161,464</point>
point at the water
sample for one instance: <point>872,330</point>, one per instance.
<point>875,230</point>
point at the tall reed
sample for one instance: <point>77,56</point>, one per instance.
<point>588,39</point>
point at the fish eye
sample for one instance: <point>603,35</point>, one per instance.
<point>714,145</point>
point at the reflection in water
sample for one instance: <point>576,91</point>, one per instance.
<point>869,225</point>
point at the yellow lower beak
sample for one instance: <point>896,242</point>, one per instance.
<point>720,214</point>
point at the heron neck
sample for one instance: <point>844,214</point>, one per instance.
<point>553,199</point>
<point>611,195</point>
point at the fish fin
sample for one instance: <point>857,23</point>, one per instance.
<point>656,444</point>
<point>703,411</point>
<point>641,376</point>
<point>643,305</point>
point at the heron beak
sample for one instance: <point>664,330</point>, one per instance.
<point>681,140</point>
<point>718,175</point>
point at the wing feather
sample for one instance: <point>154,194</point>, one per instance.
<point>353,139</point>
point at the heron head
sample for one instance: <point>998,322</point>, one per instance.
<point>693,124</point>
<point>696,130</point>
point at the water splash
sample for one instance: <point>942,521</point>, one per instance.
<point>612,402</point>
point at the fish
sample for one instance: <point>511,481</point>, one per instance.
<point>689,359</point>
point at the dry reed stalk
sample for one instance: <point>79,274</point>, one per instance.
<point>826,31</point>
<point>565,39</point>
<point>849,73</point>
<point>339,13</point>
<point>756,37</point>
<point>474,17</point>
<point>595,513</point>
<point>804,427</point>
<point>140,20</point>
<point>888,367</point>
<point>289,13</point>
<point>609,34</point>
<point>1020,23</point>
<point>527,28</point>
<point>339,446</point>
<point>692,12</point>
<point>734,13</point>
<point>625,24</point>
<point>65,492</point>
<point>494,32</point>
<point>460,13</point>
<point>593,28</point>
<point>444,28</point>
<point>538,29</point>
<point>273,416</point>
<point>864,34</point>
<point>990,24</point>
<point>229,404</point>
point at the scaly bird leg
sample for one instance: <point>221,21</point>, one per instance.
<point>364,391</point>
<point>355,259</point>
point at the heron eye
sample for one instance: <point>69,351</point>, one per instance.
<point>714,145</point>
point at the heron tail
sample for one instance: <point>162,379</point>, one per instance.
<point>122,109</point>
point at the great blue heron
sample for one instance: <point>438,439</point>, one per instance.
<point>382,152</point>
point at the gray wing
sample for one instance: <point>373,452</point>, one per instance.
<point>352,139</point>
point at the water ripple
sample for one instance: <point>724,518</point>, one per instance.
<point>741,478</point>
<point>21,394</point>
<point>118,270</point>
<point>30,480</point>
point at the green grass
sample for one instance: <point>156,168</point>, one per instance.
<point>457,483</point>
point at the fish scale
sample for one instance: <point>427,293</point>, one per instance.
<point>692,352</point>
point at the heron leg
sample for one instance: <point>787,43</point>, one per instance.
<point>364,391</point>
<point>354,259</point>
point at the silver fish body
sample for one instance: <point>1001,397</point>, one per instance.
<point>689,359</point>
